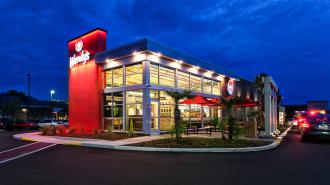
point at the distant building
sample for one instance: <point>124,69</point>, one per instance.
<point>310,107</point>
<point>318,106</point>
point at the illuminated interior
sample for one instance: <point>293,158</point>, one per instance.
<point>134,75</point>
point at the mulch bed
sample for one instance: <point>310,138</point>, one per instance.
<point>105,136</point>
<point>201,143</point>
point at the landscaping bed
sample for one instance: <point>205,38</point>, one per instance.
<point>105,136</point>
<point>201,143</point>
<point>96,134</point>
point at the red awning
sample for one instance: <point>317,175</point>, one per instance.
<point>198,100</point>
<point>246,103</point>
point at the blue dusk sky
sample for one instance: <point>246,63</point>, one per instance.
<point>288,39</point>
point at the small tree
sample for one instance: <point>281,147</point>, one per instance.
<point>260,88</point>
<point>229,117</point>
<point>178,123</point>
<point>11,109</point>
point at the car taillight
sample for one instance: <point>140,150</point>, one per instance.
<point>306,125</point>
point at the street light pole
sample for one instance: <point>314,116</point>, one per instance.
<point>28,102</point>
<point>51,94</point>
<point>29,83</point>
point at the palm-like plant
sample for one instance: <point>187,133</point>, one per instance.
<point>260,88</point>
<point>176,96</point>
<point>229,105</point>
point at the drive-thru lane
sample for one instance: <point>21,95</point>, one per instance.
<point>292,162</point>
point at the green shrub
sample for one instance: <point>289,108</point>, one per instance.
<point>110,130</point>
<point>130,127</point>
<point>178,130</point>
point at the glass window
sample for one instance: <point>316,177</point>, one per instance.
<point>166,111</point>
<point>117,77</point>
<point>207,86</point>
<point>182,80</point>
<point>166,76</point>
<point>216,88</point>
<point>134,74</point>
<point>134,109</point>
<point>113,110</point>
<point>108,105</point>
<point>195,83</point>
<point>185,112</point>
<point>154,74</point>
<point>108,78</point>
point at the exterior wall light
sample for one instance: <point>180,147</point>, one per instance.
<point>153,58</point>
<point>179,61</point>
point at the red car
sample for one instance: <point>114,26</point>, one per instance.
<point>25,125</point>
<point>20,125</point>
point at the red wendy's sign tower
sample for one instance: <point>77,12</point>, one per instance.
<point>85,80</point>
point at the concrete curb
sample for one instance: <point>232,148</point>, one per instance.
<point>274,144</point>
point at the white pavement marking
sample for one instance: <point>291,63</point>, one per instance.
<point>18,147</point>
<point>19,156</point>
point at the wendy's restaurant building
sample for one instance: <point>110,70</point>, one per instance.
<point>126,86</point>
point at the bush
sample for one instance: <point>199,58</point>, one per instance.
<point>96,131</point>
<point>179,130</point>
<point>72,131</point>
<point>130,128</point>
<point>61,129</point>
<point>110,130</point>
<point>44,130</point>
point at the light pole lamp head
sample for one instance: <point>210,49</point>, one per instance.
<point>52,92</point>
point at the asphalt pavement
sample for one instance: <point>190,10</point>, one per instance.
<point>293,162</point>
<point>7,141</point>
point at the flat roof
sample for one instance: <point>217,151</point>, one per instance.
<point>148,45</point>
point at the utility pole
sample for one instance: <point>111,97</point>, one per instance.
<point>29,83</point>
<point>28,102</point>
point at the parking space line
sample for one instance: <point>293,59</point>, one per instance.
<point>22,151</point>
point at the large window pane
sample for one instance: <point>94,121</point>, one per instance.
<point>216,88</point>
<point>134,75</point>
<point>134,109</point>
<point>117,77</point>
<point>153,74</point>
<point>108,78</point>
<point>134,96</point>
<point>207,86</point>
<point>195,83</point>
<point>182,80</point>
<point>113,110</point>
<point>166,76</point>
<point>166,111</point>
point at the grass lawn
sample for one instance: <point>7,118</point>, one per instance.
<point>105,136</point>
<point>201,143</point>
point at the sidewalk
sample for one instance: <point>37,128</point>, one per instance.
<point>122,144</point>
<point>35,136</point>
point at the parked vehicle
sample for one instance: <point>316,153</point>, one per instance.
<point>315,126</point>
<point>46,123</point>
<point>8,124</point>
<point>25,125</point>
<point>293,122</point>
<point>63,122</point>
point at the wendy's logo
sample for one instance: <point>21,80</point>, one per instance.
<point>79,45</point>
<point>230,87</point>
